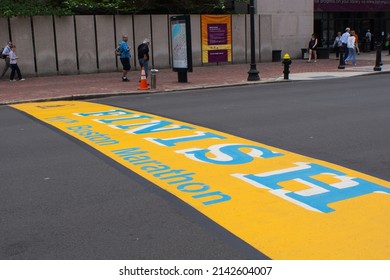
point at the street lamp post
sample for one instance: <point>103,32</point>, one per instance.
<point>253,73</point>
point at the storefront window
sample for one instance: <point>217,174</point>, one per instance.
<point>327,24</point>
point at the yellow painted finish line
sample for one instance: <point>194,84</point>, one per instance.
<point>286,205</point>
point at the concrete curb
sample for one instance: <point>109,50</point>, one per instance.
<point>129,93</point>
<point>308,76</point>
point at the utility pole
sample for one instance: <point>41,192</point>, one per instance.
<point>253,73</point>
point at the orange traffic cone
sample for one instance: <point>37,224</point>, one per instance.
<point>143,84</point>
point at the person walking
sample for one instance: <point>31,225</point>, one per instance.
<point>123,51</point>
<point>337,44</point>
<point>313,43</point>
<point>357,43</point>
<point>344,41</point>
<point>143,55</point>
<point>351,49</point>
<point>368,40</point>
<point>14,65</point>
<point>5,56</point>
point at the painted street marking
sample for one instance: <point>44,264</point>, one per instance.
<point>286,205</point>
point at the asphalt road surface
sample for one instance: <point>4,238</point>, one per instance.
<point>61,199</point>
<point>344,121</point>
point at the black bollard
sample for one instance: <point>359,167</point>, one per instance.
<point>286,62</point>
<point>342,61</point>
<point>182,76</point>
<point>378,61</point>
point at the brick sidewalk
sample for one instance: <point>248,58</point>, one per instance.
<point>102,84</point>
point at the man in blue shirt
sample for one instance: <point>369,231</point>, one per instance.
<point>5,56</point>
<point>124,55</point>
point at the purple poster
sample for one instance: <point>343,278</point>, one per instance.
<point>217,34</point>
<point>218,56</point>
<point>351,5</point>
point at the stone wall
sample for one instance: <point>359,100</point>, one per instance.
<point>51,45</point>
<point>285,25</point>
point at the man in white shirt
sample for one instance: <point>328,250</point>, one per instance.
<point>14,65</point>
<point>344,41</point>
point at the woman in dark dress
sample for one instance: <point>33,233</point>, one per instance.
<point>313,47</point>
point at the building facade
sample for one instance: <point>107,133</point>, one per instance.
<point>288,25</point>
<point>281,25</point>
<point>334,16</point>
<point>285,25</point>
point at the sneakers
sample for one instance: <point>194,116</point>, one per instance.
<point>125,79</point>
<point>17,80</point>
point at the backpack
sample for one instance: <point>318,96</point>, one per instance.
<point>141,50</point>
<point>1,54</point>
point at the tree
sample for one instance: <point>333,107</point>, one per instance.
<point>10,8</point>
<point>181,6</point>
<point>149,6</point>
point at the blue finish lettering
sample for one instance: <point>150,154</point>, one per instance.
<point>152,127</point>
<point>229,154</point>
<point>318,194</point>
<point>116,112</point>
<point>170,142</point>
